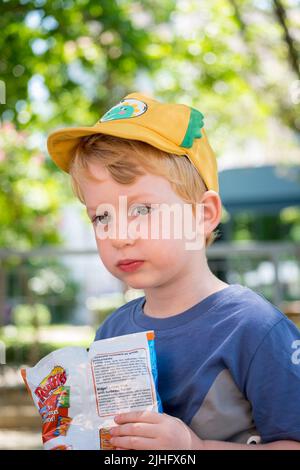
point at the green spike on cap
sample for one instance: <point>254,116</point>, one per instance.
<point>194,128</point>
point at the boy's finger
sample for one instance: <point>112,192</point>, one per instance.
<point>138,416</point>
<point>135,429</point>
<point>132,442</point>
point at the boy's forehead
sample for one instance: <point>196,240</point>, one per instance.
<point>130,197</point>
<point>96,172</point>
<point>101,182</point>
<point>147,188</point>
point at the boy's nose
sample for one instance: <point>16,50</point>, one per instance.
<point>120,242</point>
<point>122,237</point>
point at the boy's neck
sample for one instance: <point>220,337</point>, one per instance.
<point>170,300</point>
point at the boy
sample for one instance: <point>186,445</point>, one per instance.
<point>228,360</point>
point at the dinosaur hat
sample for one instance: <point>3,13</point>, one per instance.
<point>173,128</point>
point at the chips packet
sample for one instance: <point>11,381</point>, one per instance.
<point>78,392</point>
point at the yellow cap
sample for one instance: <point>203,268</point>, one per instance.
<point>174,128</point>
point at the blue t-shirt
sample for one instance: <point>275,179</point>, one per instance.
<point>229,366</point>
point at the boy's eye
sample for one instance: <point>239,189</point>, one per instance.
<point>140,210</point>
<point>105,218</point>
<point>102,218</point>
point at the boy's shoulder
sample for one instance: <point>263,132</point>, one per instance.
<point>236,308</point>
<point>252,307</point>
<point>248,315</point>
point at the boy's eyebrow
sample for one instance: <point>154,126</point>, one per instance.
<point>130,198</point>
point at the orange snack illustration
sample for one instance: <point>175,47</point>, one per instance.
<point>105,439</point>
<point>62,447</point>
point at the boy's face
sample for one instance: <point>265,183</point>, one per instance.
<point>160,246</point>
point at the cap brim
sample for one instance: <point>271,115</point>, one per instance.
<point>63,142</point>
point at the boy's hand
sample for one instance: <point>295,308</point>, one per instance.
<point>151,430</point>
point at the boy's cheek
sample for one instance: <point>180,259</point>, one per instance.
<point>105,254</point>
<point>103,246</point>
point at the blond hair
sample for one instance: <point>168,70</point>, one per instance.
<point>127,159</point>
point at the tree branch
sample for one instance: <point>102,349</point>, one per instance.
<point>280,13</point>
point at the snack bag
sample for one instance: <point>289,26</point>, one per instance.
<point>78,393</point>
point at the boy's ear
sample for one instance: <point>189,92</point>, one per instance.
<point>211,211</point>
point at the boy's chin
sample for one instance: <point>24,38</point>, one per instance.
<point>142,284</point>
<point>136,285</point>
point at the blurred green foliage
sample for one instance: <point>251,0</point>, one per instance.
<point>26,315</point>
<point>284,225</point>
<point>65,62</point>
<point>102,307</point>
<point>44,281</point>
<point>30,195</point>
<point>18,341</point>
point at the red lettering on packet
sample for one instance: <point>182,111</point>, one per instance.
<point>55,379</point>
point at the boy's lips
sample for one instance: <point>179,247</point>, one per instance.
<point>129,264</point>
<point>128,261</point>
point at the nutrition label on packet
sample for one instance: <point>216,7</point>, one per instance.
<point>122,380</point>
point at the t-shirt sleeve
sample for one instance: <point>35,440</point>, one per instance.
<point>100,333</point>
<point>273,384</point>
